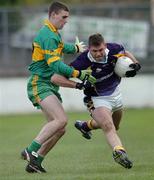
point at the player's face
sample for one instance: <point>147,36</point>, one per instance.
<point>98,52</point>
<point>59,19</point>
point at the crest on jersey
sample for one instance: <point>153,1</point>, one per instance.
<point>98,70</point>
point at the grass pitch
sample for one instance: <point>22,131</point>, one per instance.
<point>75,158</point>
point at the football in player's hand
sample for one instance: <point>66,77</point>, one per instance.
<point>122,66</point>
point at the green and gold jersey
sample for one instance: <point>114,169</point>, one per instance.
<point>47,53</point>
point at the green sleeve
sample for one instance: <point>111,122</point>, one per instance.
<point>69,48</point>
<point>61,68</point>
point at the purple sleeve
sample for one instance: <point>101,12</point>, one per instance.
<point>81,62</point>
<point>116,48</point>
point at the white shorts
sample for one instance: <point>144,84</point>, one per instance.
<point>112,102</point>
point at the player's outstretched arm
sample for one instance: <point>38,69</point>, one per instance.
<point>60,67</point>
<point>131,56</point>
<point>64,82</point>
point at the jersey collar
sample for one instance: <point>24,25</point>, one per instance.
<point>50,26</point>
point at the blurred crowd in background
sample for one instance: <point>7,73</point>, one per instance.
<point>129,23</point>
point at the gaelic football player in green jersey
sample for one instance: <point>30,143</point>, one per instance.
<point>48,49</point>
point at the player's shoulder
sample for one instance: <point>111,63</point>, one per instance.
<point>115,48</point>
<point>42,33</point>
<point>46,36</point>
<point>81,61</point>
<point>111,46</point>
<point>46,32</point>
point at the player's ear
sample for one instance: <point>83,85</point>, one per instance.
<point>52,15</point>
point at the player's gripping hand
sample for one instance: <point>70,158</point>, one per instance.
<point>83,85</point>
<point>135,67</point>
<point>86,75</point>
<point>131,73</point>
<point>80,46</point>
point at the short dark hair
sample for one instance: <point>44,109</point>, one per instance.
<point>95,40</point>
<point>56,7</point>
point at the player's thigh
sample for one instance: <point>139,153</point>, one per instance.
<point>49,117</point>
<point>103,116</point>
<point>53,108</point>
<point>39,88</point>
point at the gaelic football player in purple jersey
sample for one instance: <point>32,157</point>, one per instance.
<point>103,100</point>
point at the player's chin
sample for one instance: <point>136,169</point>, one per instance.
<point>98,58</point>
<point>61,27</point>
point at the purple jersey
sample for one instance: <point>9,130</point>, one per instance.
<point>103,71</point>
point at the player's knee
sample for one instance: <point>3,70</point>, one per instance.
<point>61,132</point>
<point>63,122</point>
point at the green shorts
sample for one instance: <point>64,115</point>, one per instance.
<point>38,88</point>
